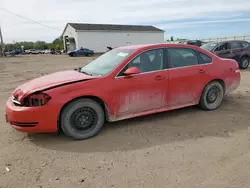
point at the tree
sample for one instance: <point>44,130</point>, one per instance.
<point>171,38</point>
<point>58,43</point>
<point>41,45</point>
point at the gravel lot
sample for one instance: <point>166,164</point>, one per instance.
<point>186,148</point>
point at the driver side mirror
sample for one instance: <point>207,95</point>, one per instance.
<point>131,71</point>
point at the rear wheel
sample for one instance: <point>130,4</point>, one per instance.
<point>244,62</point>
<point>82,119</point>
<point>212,96</point>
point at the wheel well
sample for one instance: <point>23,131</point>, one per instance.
<point>221,82</point>
<point>247,56</point>
<point>94,98</point>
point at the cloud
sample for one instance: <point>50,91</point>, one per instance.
<point>166,14</point>
<point>198,23</point>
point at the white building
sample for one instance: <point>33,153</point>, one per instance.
<point>98,36</point>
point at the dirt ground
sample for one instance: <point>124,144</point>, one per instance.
<point>187,148</point>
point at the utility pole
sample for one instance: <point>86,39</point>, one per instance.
<point>1,44</point>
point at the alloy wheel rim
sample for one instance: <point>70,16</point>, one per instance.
<point>245,63</point>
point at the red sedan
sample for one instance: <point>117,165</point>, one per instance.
<point>123,83</point>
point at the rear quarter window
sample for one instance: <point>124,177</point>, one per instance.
<point>235,45</point>
<point>203,59</point>
<point>245,44</point>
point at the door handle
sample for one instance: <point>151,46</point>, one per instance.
<point>159,77</point>
<point>201,71</point>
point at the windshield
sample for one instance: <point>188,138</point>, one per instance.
<point>209,46</point>
<point>107,62</point>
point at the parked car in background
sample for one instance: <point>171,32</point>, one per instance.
<point>47,51</point>
<point>192,42</point>
<point>81,52</point>
<point>26,51</point>
<point>122,83</point>
<point>32,51</point>
<point>236,49</point>
<point>14,52</point>
<point>42,51</point>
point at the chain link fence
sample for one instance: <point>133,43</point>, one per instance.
<point>219,39</point>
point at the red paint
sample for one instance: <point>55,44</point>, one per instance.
<point>125,97</point>
<point>47,81</point>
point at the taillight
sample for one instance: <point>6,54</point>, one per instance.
<point>37,99</point>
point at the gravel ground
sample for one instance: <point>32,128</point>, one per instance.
<point>186,148</point>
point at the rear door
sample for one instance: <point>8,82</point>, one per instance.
<point>223,51</point>
<point>236,50</point>
<point>186,77</point>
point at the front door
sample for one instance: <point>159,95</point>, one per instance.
<point>236,50</point>
<point>186,77</point>
<point>144,91</point>
<point>223,51</point>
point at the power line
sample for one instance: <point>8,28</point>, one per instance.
<point>20,16</point>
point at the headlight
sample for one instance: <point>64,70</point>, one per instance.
<point>36,99</point>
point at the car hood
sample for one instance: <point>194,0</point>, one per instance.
<point>48,81</point>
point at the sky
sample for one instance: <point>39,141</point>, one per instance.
<point>179,18</point>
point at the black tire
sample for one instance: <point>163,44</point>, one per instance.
<point>82,119</point>
<point>212,96</point>
<point>244,62</point>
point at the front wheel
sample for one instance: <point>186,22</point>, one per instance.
<point>212,96</point>
<point>82,119</point>
<point>244,62</point>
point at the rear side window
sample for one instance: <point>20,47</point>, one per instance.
<point>203,59</point>
<point>235,45</point>
<point>245,44</point>
<point>181,57</point>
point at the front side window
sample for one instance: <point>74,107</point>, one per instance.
<point>148,61</point>
<point>107,62</point>
<point>222,47</point>
<point>209,46</point>
<point>181,57</point>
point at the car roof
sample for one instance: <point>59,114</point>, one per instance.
<point>163,45</point>
<point>216,42</point>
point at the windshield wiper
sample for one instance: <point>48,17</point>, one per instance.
<point>80,70</point>
<point>85,73</point>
